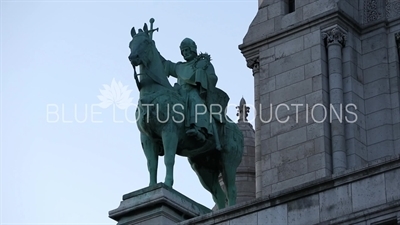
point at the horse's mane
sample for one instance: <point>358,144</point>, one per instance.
<point>153,59</point>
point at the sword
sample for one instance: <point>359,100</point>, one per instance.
<point>150,32</point>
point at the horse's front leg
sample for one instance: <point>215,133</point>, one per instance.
<point>150,151</point>
<point>170,143</point>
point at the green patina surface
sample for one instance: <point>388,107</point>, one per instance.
<point>188,119</point>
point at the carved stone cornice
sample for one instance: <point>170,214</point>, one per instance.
<point>256,67</point>
<point>397,36</point>
<point>334,35</point>
<point>251,60</point>
<point>254,64</point>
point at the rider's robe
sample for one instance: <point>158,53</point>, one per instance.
<point>197,80</point>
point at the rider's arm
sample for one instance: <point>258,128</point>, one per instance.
<point>170,68</point>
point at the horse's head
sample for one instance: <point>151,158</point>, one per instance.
<point>139,46</point>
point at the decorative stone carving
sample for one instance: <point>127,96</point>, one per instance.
<point>392,8</point>
<point>334,35</point>
<point>256,67</point>
<point>371,11</point>
<point>378,9</point>
<point>253,63</point>
<point>397,36</point>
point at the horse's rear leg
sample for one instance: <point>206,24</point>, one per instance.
<point>209,179</point>
<point>229,177</point>
<point>150,151</point>
<point>170,143</point>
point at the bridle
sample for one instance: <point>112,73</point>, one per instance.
<point>141,50</point>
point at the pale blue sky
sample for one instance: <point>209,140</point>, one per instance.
<point>61,53</point>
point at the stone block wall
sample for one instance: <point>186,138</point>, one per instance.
<point>295,63</point>
<point>362,197</point>
<point>291,146</point>
<point>273,16</point>
<point>377,94</point>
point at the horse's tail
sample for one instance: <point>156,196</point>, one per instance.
<point>232,143</point>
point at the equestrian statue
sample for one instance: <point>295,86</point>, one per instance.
<point>188,119</point>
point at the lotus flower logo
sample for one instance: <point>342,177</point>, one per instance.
<point>116,94</point>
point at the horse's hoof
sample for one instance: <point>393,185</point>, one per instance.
<point>169,183</point>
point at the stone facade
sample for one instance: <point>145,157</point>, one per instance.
<point>327,141</point>
<point>327,53</point>
<point>368,195</point>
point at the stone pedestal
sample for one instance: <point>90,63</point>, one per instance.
<point>156,205</point>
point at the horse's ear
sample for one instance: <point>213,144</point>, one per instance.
<point>145,28</point>
<point>133,31</point>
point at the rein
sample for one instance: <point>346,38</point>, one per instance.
<point>144,50</point>
<point>135,75</point>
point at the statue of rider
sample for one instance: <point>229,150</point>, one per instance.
<point>197,80</point>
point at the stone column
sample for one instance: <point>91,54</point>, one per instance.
<point>335,40</point>
<point>255,66</point>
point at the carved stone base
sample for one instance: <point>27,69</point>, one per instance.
<point>156,205</point>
